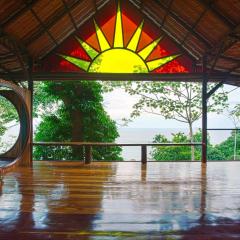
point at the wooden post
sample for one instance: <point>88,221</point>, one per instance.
<point>88,154</point>
<point>144,154</point>
<point>204,112</point>
<point>31,88</point>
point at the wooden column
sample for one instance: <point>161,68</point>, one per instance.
<point>88,154</point>
<point>30,88</point>
<point>204,112</point>
<point>144,154</point>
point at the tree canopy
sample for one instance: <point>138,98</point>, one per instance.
<point>172,100</point>
<point>183,153</point>
<point>73,111</point>
<point>8,118</point>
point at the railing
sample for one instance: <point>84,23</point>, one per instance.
<point>88,147</point>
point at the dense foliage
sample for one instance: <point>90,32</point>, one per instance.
<point>230,148</point>
<point>73,111</point>
<point>8,118</point>
<point>223,151</point>
<point>8,113</point>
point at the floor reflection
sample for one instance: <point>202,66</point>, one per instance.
<point>121,200</point>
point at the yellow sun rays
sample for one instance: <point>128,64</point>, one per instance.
<point>133,61</point>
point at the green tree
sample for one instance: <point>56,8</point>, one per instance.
<point>235,115</point>
<point>172,100</point>
<point>183,153</point>
<point>171,153</point>
<point>230,148</point>
<point>8,114</point>
<point>73,111</point>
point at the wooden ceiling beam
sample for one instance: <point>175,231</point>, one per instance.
<point>76,76</point>
<point>194,25</point>
<point>235,68</point>
<point>227,42</point>
<point>220,16</point>
<point>185,25</point>
<point>167,12</point>
<point>4,69</point>
<point>13,16</point>
<point>44,27</point>
<point>52,22</point>
<point>169,35</point>
<point>74,32</point>
<point>69,14</point>
<point>17,48</point>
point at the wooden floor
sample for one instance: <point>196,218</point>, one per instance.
<point>121,201</point>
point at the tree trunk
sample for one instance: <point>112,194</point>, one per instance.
<point>191,140</point>
<point>77,134</point>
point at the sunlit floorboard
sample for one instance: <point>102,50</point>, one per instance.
<point>121,201</point>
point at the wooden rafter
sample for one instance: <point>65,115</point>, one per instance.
<point>217,13</point>
<point>227,42</point>
<point>13,16</point>
<point>4,69</point>
<point>44,27</point>
<point>70,15</point>
<point>17,48</point>
<point>167,12</point>
<point>74,32</point>
<point>52,22</point>
<point>185,25</point>
<point>95,5</point>
<point>235,68</point>
<point>169,35</point>
<point>194,25</point>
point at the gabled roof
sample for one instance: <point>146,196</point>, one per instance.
<point>33,29</point>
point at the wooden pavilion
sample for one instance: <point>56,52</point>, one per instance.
<point>59,40</point>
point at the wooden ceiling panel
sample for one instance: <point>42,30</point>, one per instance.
<point>37,48</point>
<point>194,45</point>
<point>189,10</point>
<point>10,7</point>
<point>82,11</point>
<point>234,51</point>
<point>62,28</point>
<point>11,65</point>
<point>23,26</point>
<point>212,28</point>
<point>226,64</point>
<point>175,28</point>
<point>229,8</point>
<point>155,11</point>
<point>3,50</point>
<point>46,9</point>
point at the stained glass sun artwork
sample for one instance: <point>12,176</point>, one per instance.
<point>118,58</point>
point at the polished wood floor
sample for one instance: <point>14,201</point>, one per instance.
<point>121,201</point>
